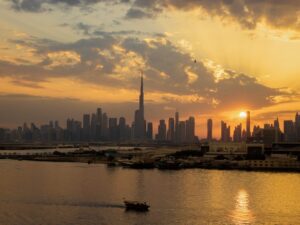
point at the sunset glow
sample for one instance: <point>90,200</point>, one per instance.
<point>96,57</point>
<point>243,114</point>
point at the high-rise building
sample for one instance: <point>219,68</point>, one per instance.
<point>181,132</point>
<point>86,127</point>
<point>248,125</point>
<point>98,125</point>
<point>171,130</point>
<point>297,127</point>
<point>289,131</point>
<point>122,129</point>
<point>150,131</point>
<point>93,127</point>
<point>277,130</point>
<point>104,126</point>
<point>176,126</point>
<point>162,131</point>
<point>225,132</point>
<point>113,129</point>
<point>237,133</point>
<point>209,129</point>
<point>190,130</point>
<point>139,118</point>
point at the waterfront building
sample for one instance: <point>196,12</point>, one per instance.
<point>235,148</point>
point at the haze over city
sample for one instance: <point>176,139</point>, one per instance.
<point>205,59</point>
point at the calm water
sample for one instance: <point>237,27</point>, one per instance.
<point>38,193</point>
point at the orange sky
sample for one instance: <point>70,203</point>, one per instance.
<point>246,58</point>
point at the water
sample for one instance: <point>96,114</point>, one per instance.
<point>36,193</point>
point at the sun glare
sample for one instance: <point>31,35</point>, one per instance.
<point>243,114</point>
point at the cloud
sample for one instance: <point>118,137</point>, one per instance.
<point>115,61</point>
<point>248,13</point>
<point>45,5</point>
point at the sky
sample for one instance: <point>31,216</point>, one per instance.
<point>207,59</point>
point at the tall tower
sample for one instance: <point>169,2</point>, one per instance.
<point>139,118</point>
<point>141,103</point>
<point>248,131</point>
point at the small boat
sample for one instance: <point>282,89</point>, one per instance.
<point>136,206</point>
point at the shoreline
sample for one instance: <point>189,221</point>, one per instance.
<point>109,164</point>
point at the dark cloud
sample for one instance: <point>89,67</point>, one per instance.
<point>280,14</point>
<point>45,5</point>
<point>248,13</point>
<point>136,13</point>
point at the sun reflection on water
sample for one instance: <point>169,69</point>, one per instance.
<point>242,215</point>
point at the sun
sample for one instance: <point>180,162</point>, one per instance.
<point>243,114</point>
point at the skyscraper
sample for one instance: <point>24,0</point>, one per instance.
<point>176,127</point>
<point>209,129</point>
<point>104,126</point>
<point>113,129</point>
<point>139,118</point>
<point>150,131</point>
<point>248,127</point>
<point>297,126</point>
<point>181,132</point>
<point>98,127</point>
<point>289,131</point>
<point>171,130</point>
<point>225,132</point>
<point>122,129</point>
<point>237,133</point>
<point>161,136</point>
<point>86,127</point>
<point>190,130</point>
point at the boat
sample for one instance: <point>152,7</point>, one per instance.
<point>136,206</point>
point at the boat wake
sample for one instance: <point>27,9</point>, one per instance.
<point>73,204</point>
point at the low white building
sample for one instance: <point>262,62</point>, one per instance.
<point>234,148</point>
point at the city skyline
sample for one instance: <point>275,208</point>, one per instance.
<point>67,64</point>
<point>100,126</point>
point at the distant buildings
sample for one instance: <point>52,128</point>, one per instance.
<point>225,132</point>
<point>248,126</point>
<point>237,133</point>
<point>209,130</point>
<point>162,131</point>
<point>98,126</point>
